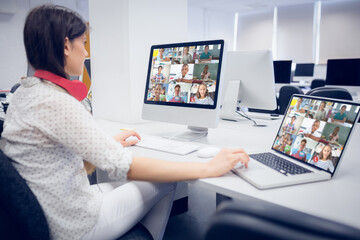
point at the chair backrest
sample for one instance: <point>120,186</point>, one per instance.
<point>285,94</point>
<point>262,220</point>
<point>317,83</point>
<point>21,216</point>
<point>331,92</point>
<point>13,89</point>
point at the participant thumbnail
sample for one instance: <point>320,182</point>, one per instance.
<point>344,114</point>
<point>181,73</point>
<point>325,156</point>
<point>183,55</point>
<point>302,148</point>
<point>160,73</point>
<point>157,92</point>
<point>292,124</point>
<point>204,94</point>
<point>311,128</point>
<point>160,56</point>
<point>319,110</point>
<point>335,134</point>
<point>284,142</point>
<point>299,106</point>
<point>178,93</point>
<point>205,72</point>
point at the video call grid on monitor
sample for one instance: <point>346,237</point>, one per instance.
<point>185,74</point>
<point>316,131</point>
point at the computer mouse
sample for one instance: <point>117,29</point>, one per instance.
<point>131,138</point>
<point>239,165</point>
<point>207,152</point>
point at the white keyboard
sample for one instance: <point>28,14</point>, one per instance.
<point>167,145</point>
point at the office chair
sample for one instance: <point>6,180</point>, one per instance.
<point>21,216</point>
<point>263,220</point>
<point>315,83</point>
<point>285,94</point>
<point>13,89</point>
<point>331,92</point>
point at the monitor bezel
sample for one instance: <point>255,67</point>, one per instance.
<point>186,44</point>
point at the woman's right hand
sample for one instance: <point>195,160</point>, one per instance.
<point>226,160</point>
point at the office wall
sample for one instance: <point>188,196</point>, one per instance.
<point>196,23</point>
<point>13,63</point>
<point>255,31</point>
<point>295,33</point>
<point>339,30</point>
<point>122,34</point>
<point>208,24</point>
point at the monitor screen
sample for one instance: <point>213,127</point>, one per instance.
<point>184,74</point>
<point>184,83</point>
<point>345,72</point>
<point>282,71</point>
<point>304,69</point>
<point>315,130</point>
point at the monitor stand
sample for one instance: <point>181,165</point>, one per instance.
<point>231,101</point>
<point>192,134</point>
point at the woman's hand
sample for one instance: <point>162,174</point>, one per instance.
<point>121,138</point>
<point>226,160</point>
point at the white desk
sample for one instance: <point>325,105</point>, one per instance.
<point>337,199</point>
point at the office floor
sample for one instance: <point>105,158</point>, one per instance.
<point>192,224</point>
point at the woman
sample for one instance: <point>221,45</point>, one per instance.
<point>48,133</point>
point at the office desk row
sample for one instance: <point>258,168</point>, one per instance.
<point>337,199</point>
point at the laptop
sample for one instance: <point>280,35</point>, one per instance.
<point>308,146</point>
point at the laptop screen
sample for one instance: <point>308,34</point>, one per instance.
<point>315,130</point>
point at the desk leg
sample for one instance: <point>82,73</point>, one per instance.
<point>220,198</point>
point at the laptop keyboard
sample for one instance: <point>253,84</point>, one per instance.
<point>279,164</point>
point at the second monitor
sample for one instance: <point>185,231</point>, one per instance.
<point>249,82</point>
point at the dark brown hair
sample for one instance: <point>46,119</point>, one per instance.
<point>45,30</point>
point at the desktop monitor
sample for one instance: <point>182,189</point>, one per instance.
<point>249,77</point>
<point>183,84</point>
<point>282,71</point>
<point>345,72</point>
<point>304,70</point>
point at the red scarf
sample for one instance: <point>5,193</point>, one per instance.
<point>75,88</point>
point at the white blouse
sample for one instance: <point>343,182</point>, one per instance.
<point>48,134</point>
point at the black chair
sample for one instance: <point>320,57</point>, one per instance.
<point>21,216</point>
<point>331,92</point>
<point>285,94</point>
<point>317,83</point>
<point>263,220</point>
<point>13,89</point>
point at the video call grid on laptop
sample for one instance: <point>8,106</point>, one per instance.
<point>185,74</point>
<point>314,133</point>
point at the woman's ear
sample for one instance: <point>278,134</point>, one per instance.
<point>67,46</point>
